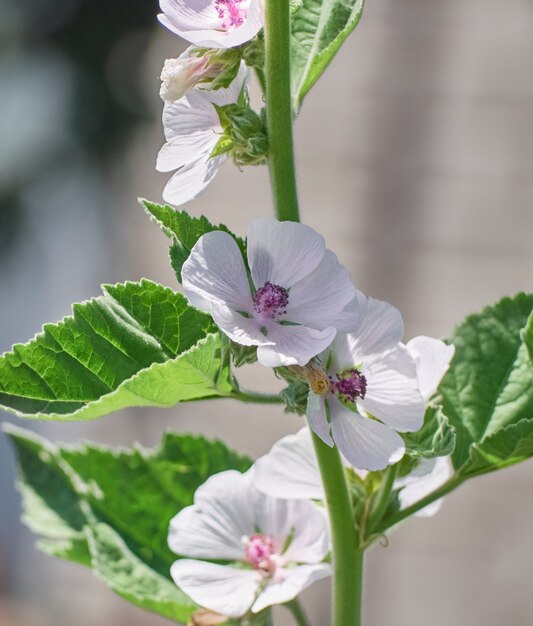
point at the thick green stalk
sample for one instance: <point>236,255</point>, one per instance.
<point>347,556</point>
<point>279,109</point>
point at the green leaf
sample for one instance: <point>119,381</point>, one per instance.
<point>184,231</point>
<point>509,446</point>
<point>130,578</point>
<point>110,509</point>
<point>140,344</point>
<point>489,385</point>
<point>319,28</point>
<point>435,438</point>
<point>528,337</point>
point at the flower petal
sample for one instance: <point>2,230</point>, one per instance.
<point>192,129</point>
<point>363,442</point>
<point>428,476</point>
<point>189,15</point>
<point>214,525</point>
<point>215,273</point>
<point>296,579</point>
<point>282,252</point>
<point>432,359</point>
<point>293,345</point>
<point>290,469</point>
<point>198,22</point>
<point>301,521</point>
<point>318,300</point>
<point>380,328</point>
<point>192,179</point>
<point>392,393</point>
<point>317,418</point>
<point>226,590</point>
<point>241,329</point>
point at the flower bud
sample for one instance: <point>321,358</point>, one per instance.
<point>244,136</point>
<point>179,75</point>
<point>314,374</point>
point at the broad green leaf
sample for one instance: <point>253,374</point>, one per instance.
<point>319,28</point>
<point>184,231</point>
<point>129,577</point>
<point>509,446</point>
<point>528,336</point>
<point>489,385</point>
<point>435,438</point>
<point>49,499</point>
<point>110,509</point>
<point>140,344</point>
<point>121,485</point>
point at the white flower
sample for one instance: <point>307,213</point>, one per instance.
<point>192,130</point>
<point>427,476</point>
<point>213,23</point>
<point>432,359</point>
<point>275,548</point>
<point>181,74</point>
<point>373,392</point>
<point>290,469</point>
<point>300,294</point>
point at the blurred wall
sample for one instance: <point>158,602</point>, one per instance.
<point>415,153</point>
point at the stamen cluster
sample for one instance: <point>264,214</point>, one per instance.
<point>259,551</point>
<point>232,13</point>
<point>270,301</point>
<point>348,385</point>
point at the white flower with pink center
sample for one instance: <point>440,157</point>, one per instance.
<point>192,130</point>
<point>292,304</point>
<point>373,392</point>
<point>290,469</point>
<point>213,23</point>
<point>274,548</point>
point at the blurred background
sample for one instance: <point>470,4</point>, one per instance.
<point>415,157</point>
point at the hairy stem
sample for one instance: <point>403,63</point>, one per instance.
<point>279,109</point>
<point>379,505</point>
<point>445,489</point>
<point>255,398</point>
<point>347,556</point>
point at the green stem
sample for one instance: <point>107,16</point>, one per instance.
<point>347,556</point>
<point>297,612</point>
<point>445,489</point>
<point>379,505</point>
<point>279,109</point>
<point>255,398</point>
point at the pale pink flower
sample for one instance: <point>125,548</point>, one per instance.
<point>296,300</point>
<point>213,23</point>
<point>374,390</point>
<point>290,469</point>
<point>276,547</point>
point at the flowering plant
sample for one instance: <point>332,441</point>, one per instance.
<point>194,531</point>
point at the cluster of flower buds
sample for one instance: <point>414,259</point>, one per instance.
<point>244,135</point>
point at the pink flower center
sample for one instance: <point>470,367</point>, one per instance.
<point>270,301</point>
<point>348,385</point>
<point>232,13</point>
<point>259,551</point>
